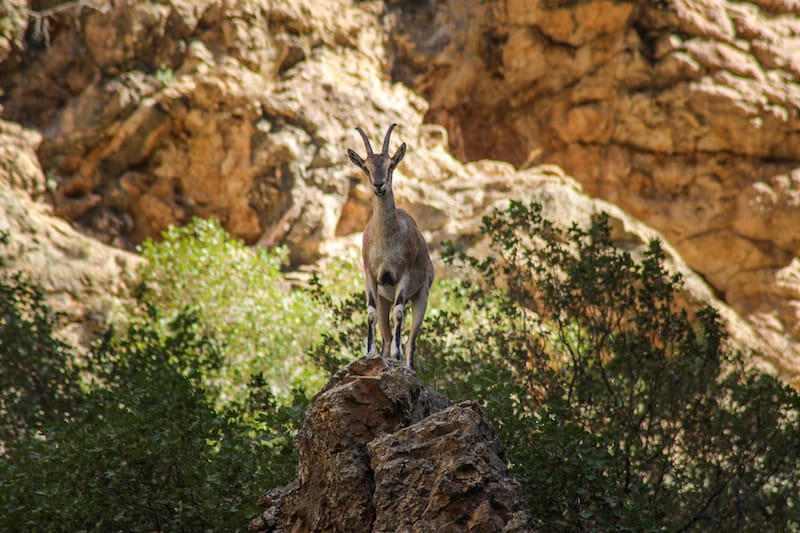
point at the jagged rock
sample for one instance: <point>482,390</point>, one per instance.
<point>379,452</point>
<point>13,21</point>
<point>446,473</point>
<point>178,109</point>
<point>684,113</point>
<point>80,277</point>
<point>19,165</point>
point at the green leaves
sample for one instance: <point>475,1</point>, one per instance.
<point>148,431</point>
<point>144,447</point>
<point>619,409</point>
<point>38,380</point>
<point>239,295</point>
<point>662,426</point>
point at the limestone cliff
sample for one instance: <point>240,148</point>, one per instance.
<point>684,113</point>
<point>82,278</point>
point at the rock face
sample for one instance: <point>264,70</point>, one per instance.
<point>685,113</point>
<point>379,452</point>
<point>120,118</point>
<point>82,278</point>
<point>169,110</point>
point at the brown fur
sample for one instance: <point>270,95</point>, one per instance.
<point>397,265</point>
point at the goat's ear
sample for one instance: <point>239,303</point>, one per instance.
<point>398,155</point>
<point>355,158</point>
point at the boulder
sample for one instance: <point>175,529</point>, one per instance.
<point>380,452</point>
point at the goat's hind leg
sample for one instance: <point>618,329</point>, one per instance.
<point>372,317</point>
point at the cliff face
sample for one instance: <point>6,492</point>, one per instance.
<point>685,113</point>
<point>142,114</point>
<point>152,113</point>
<point>379,452</point>
<point>120,118</point>
<point>81,277</point>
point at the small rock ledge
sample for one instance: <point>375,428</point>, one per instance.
<point>379,452</point>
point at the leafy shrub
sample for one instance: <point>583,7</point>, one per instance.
<point>346,334</point>
<point>144,448</point>
<point>172,421</point>
<point>664,426</point>
<point>38,380</point>
<point>240,295</point>
<point>131,435</point>
<point>620,410</point>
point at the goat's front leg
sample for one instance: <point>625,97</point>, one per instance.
<point>397,314</point>
<point>419,302</point>
<point>384,325</point>
<point>372,312</point>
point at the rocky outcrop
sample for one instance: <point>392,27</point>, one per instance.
<point>80,277</point>
<point>379,452</point>
<point>684,113</point>
<point>172,110</point>
<point>13,20</point>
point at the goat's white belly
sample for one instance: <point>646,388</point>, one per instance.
<point>387,292</point>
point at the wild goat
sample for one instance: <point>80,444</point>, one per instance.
<point>397,266</point>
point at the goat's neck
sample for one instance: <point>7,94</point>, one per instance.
<point>385,213</point>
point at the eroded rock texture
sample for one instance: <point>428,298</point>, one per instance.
<point>379,452</point>
<point>82,278</point>
<point>686,113</point>
<point>154,112</point>
<point>446,473</point>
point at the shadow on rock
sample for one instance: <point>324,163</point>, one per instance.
<point>380,452</point>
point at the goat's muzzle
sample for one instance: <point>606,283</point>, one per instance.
<point>380,190</point>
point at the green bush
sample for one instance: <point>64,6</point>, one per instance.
<point>144,448</point>
<point>611,384</point>
<point>240,295</point>
<point>619,409</point>
<point>171,422</point>
<point>38,380</point>
<point>132,434</point>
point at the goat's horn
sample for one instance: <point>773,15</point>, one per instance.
<point>366,141</point>
<point>386,139</point>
